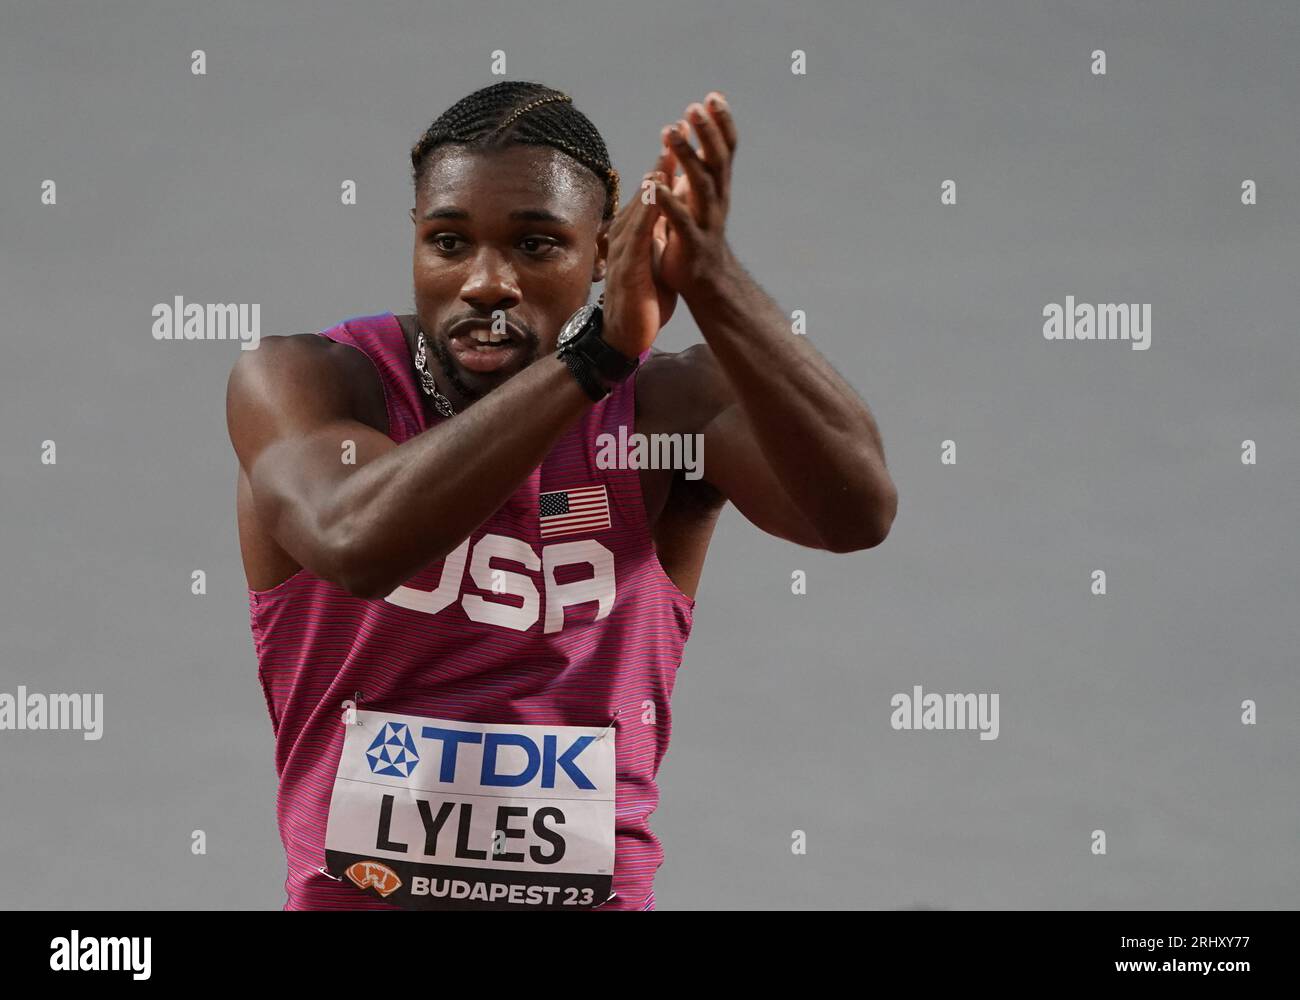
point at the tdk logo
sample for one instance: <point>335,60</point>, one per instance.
<point>541,762</point>
<point>393,751</point>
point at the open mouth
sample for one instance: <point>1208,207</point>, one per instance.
<point>480,349</point>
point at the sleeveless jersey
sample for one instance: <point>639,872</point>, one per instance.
<point>579,627</point>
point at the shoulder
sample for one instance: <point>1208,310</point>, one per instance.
<point>285,356</point>
<point>302,370</point>
<point>682,391</point>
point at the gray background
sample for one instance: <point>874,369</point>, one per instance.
<point>1119,713</point>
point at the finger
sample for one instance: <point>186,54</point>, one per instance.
<point>635,195</point>
<point>647,212</point>
<point>678,212</point>
<point>667,162</point>
<point>629,210</point>
<point>619,222</point>
<point>681,186</point>
<point>682,192</point>
<point>638,228</point>
<point>721,112</point>
<point>666,165</point>
<point>702,186</point>
<point>713,148</point>
<point>669,149</point>
<point>668,156</point>
<point>680,182</point>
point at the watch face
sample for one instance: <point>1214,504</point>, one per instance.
<point>575,324</point>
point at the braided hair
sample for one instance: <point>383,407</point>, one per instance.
<point>515,111</point>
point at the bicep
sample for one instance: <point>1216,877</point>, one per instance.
<point>691,393</point>
<point>289,413</point>
<point>733,463</point>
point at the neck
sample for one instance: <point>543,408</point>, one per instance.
<point>438,366</point>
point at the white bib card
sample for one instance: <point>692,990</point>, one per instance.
<point>436,814</point>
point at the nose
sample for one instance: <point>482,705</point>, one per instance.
<point>491,283</point>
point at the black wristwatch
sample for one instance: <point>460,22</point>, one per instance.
<point>596,365</point>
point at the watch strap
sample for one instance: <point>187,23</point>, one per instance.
<point>585,375</point>
<point>612,364</point>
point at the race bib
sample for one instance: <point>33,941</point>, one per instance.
<point>436,814</point>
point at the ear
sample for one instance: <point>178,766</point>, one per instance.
<point>601,265</point>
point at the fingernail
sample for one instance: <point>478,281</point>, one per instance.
<point>696,112</point>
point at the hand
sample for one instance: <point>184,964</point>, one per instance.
<point>635,307</point>
<point>689,236</point>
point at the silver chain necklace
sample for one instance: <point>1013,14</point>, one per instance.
<point>440,402</point>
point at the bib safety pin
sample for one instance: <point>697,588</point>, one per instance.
<point>603,734</point>
<point>350,710</point>
<point>328,875</point>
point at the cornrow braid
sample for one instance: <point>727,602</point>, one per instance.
<point>515,111</point>
<point>510,119</point>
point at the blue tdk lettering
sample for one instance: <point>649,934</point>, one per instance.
<point>544,760</point>
<point>566,762</point>
<point>490,776</point>
<point>451,738</point>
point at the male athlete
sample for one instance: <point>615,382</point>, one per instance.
<point>467,627</point>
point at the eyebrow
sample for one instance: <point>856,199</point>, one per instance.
<point>520,215</point>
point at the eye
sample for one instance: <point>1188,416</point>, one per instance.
<point>446,242</point>
<point>538,246</point>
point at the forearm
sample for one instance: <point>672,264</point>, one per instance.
<point>415,503</point>
<point>816,433</point>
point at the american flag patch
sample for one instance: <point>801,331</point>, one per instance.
<point>567,512</point>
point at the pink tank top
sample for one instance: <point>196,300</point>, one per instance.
<point>580,628</point>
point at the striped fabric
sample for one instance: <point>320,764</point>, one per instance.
<point>317,646</point>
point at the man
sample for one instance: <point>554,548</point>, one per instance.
<point>467,627</point>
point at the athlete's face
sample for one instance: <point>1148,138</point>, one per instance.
<point>515,230</point>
